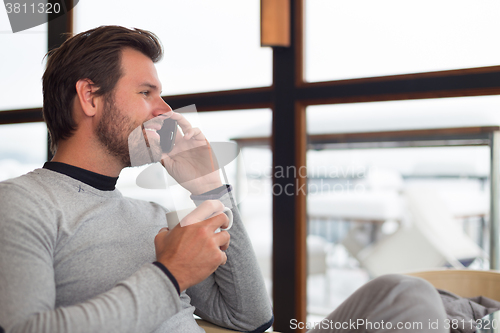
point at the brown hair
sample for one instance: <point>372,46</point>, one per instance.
<point>94,55</point>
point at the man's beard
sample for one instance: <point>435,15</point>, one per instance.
<point>123,139</point>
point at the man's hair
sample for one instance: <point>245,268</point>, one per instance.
<point>93,55</point>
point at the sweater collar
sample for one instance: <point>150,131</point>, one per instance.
<point>96,180</point>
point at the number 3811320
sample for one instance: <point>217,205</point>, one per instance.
<point>32,8</point>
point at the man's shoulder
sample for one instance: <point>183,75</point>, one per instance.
<point>54,185</point>
<point>26,182</point>
<point>28,188</point>
<point>24,206</point>
<point>141,204</point>
<point>37,179</point>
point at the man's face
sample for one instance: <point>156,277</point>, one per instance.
<point>130,112</point>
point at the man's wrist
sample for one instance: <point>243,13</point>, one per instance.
<point>214,194</point>
<point>169,275</point>
<point>207,188</point>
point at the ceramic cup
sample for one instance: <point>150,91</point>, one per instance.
<point>173,218</point>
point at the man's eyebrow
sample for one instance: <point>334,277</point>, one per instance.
<point>149,85</point>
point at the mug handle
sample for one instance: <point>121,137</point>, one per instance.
<point>229,214</point>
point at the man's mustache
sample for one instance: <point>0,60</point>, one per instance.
<point>155,123</point>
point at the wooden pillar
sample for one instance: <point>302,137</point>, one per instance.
<point>289,182</point>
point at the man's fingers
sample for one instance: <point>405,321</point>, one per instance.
<point>224,258</point>
<point>186,127</point>
<point>163,229</point>
<point>195,133</point>
<point>160,236</point>
<point>223,239</point>
<point>219,220</point>
<point>226,218</point>
<point>181,121</point>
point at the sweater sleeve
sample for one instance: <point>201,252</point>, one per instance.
<point>28,234</point>
<point>234,296</point>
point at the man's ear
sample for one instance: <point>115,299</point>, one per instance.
<point>85,90</point>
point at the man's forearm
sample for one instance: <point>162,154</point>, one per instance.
<point>235,295</point>
<point>138,304</point>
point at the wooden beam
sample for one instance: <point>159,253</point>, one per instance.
<point>255,98</point>
<point>60,26</point>
<point>288,143</point>
<point>21,116</point>
<point>454,84</point>
<point>457,133</point>
<point>301,211</point>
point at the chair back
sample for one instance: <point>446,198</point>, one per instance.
<point>465,283</point>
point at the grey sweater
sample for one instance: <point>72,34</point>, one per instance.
<point>77,259</point>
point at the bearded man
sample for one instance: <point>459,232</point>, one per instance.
<point>75,255</point>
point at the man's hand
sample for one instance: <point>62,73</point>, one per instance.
<point>192,162</point>
<point>193,252</point>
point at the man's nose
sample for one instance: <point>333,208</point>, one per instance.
<point>162,108</point>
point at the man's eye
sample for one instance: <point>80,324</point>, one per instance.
<point>145,93</point>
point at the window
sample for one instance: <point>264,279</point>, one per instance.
<point>215,47</point>
<point>355,39</point>
<point>24,148</point>
<point>21,64</point>
<point>393,205</point>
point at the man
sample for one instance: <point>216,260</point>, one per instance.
<point>76,256</point>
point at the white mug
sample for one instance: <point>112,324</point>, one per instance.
<point>174,217</point>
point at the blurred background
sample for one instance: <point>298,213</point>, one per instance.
<point>399,103</point>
